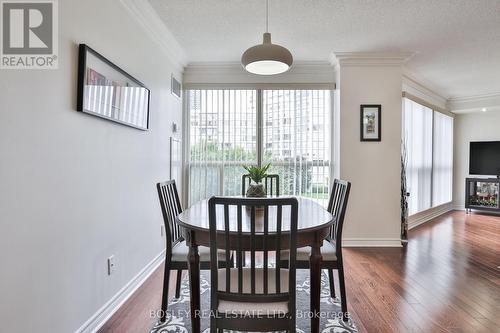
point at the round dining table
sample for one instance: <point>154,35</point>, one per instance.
<point>314,224</point>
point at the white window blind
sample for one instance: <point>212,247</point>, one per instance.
<point>418,141</point>
<point>442,175</point>
<point>428,136</point>
<point>222,138</point>
<point>295,138</point>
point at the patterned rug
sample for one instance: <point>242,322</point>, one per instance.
<point>178,314</point>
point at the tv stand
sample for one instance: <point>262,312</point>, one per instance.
<point>482,194</point>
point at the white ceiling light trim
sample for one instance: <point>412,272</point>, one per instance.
<point>267,58</point>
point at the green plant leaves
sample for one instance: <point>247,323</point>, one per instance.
<point>257,173</point>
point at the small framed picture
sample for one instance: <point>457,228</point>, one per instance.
<point>371,122</point>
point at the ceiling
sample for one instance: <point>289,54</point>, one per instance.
<point>456,42</point>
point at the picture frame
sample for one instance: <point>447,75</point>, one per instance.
<point>371,122</point>
<point>107,91</point>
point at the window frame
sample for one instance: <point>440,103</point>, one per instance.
<point>186,133</point>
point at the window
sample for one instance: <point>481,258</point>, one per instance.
<point>298,151</point>
<point>428,138</point>
<point>418,141</point>
<point>442,169</point>
<point>215,160</point>
<point>291,155</point>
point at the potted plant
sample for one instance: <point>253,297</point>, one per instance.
<point>256,174</point>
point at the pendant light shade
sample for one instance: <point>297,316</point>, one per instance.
<point>267,58</point>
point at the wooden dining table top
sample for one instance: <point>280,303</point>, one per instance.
<point>311,216</point>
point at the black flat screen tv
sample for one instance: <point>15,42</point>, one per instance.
<point>484,158</point>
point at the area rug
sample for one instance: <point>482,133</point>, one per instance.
<point>178,320</point>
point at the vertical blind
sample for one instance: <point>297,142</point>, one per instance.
<point>295,137</point>
<point>428,139</point>
<point>297,140</point>
<point>442,169</point>
<point>222,138</point>
<point>418,141</point>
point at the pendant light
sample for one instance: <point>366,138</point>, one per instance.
<point>267,58</point>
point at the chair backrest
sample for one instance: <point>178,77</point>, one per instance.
<point>253,225</point>
<point>271,184</point>
<point>170,208</point>
<point>337,206</point>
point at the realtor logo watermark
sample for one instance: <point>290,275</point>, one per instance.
<point>29,34</point>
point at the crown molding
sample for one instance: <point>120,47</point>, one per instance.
<point>475,98</point>
<point>424,85</point>
<point>423,90</point>
<point>474,103</point>
<point>148,18</point>
<point>227,73</point>
<point>370,58</point>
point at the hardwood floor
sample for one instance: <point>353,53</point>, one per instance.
<point>446,280</point>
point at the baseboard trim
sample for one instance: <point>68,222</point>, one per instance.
<point>371,242</point>
<point>107,310</point>
<point>425,216</point>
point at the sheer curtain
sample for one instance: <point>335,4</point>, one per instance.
<point>442,177</point>
<point>418,141</point>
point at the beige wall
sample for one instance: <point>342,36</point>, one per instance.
<point>477,126</point>
<point>75,188</point>
<point>373,217</point>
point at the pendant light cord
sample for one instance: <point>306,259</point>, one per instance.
<point>267,15</point>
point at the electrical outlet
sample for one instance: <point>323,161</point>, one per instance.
<point>111,265</point>
<point>162,230</point>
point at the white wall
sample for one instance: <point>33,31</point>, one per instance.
<point>76,189</point>
<point>373,168</point>
<point>477,126</point>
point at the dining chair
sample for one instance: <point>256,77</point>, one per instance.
<point>176,248</point>
<point>332,245</point>
<point>271,184</point>
<point>253,298</point>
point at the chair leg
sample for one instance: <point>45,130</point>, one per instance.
<point>213,326</point>
<point>178,284</point>
<point>164,298</point>
<point>332,283</point>
<point>343,300</point>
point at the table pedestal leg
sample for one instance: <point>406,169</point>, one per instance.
<point>315,271</point>
<point>194,287</point>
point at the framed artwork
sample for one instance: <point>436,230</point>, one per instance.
<point>107,91</point>
<point>371,122</point>
<point>175,159</point>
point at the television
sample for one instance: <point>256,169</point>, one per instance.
<point>485,158</point>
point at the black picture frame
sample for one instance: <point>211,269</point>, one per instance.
<point>376,128</point>
<point>116,95</point>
